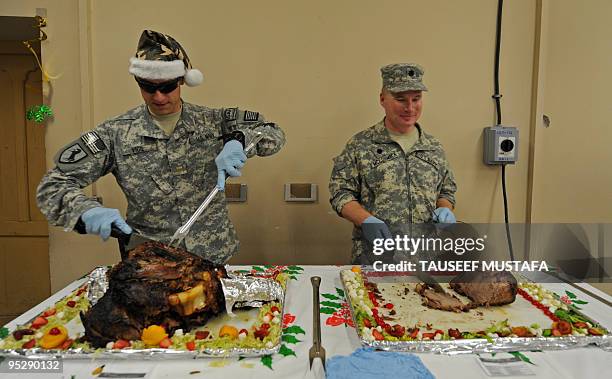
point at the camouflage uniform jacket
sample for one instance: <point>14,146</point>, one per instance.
<point>396,187</point>
<point>164,178</point>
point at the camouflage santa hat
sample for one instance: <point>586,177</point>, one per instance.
<point>160,56</point>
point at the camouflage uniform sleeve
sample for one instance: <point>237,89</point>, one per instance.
<point>249,123</point>
<point>78,164</point>
<point>344,183</point>
<point>448,186</point>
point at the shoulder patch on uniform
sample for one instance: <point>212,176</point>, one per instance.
<point>251,116</point>
<point>230,114</point>
<point>72,154</point>
<point>93,142</point>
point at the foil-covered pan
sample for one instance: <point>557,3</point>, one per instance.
<point>250,292</point>
<point>489,345</point>
<point>240,290</point>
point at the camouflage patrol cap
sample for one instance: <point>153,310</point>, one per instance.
<point>160,56</point>
<point>400,77</point>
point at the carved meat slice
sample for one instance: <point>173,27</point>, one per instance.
<point>441,301</point>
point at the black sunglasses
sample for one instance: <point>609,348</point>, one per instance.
<point>164,87</point>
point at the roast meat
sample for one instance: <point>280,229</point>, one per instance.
<point>155,284</point>
<point>442,301</point>
<point>486,288</point>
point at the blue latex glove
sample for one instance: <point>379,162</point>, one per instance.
<point>444,216</point>
<point>99,220</point>
<point>373,228</point>
<point>229,162</point>
<point>365,363</point>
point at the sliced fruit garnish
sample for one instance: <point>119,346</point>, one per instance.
<point>377,335</point>
<point>120,344</point>
<point>39,321</point>
<point>201,334</point>
<point>153,335</point>
<point>229,331</point>
<point>54,337</point>
<point>49,312</point>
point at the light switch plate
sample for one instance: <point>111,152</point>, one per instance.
<point>301,192</point>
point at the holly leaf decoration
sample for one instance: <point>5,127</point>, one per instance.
<point>331,304</point>
<point>292,277</point>
<point>259,269</point>
<point>294,329</point>
<point>266,360</point>
<point>521,356</point>
<point>285,351</point>
<point>328,311</point>
<point>340,292</point>
<point>290,339</point>
<point>330,296</point>
<point>298,268</point>
<point>4,332</point>
<point>579,302</point>
<point>570,294</point>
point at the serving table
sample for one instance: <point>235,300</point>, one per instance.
<point>338,338</point>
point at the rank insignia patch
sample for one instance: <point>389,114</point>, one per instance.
<point>251,116</point>
<point>93,142</point>
<point>72,154</point>
<point>229,114</point>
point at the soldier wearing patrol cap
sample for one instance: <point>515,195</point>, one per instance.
<point>166,156</point>
<point>393,173</point>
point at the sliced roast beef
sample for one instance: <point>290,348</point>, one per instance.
<point>438,300</point>
<point>486,288</point>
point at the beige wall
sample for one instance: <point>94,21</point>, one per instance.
<point>573,179</point>
<point>317,74</point>
<point>313,67</point>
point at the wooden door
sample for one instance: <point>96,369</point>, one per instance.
<point>24,247</point>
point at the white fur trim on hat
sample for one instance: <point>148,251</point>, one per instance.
<point>156,69</point>
<point>193,77</point>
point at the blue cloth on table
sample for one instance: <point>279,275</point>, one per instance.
<point>366,363</point>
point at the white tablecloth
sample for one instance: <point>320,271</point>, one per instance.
<point>338,337</point>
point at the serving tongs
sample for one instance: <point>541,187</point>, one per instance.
<point>182,232</point>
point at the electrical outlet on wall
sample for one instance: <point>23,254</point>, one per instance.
<point>500,145</point>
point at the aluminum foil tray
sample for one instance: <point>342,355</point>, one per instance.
<point>241,290</point>
<point>475,345</point>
